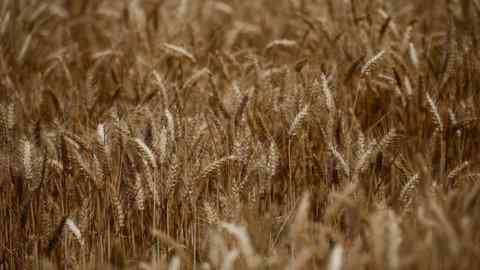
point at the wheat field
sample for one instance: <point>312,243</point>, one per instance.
<point>230,134</point>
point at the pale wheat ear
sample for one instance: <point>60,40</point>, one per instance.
<point>327,94</point>
<point>170,125</point>
<point>172,178</point>
<point>27,162</point>
<point>387,140</point>
<point>179,51</point>
<point>214,166</point>
<point>145,152</point>
<point>285,43</point>
<point>204,72</point>
<point>160,145</point>
<point>451,53</point>
<point>117,207</point>
<point>408,87</point>
<point>3,123</point>
<point>329,103</point>
<point>297,121</point>
<point>412,52</point>
<point>139,192</point>
<point>372,64</point>
<point>409,188</point>
<point>273,159</point>
<point>24,49</point>
<point>435,114</point>
<point>457,170</point>
<point>212,216</point>
<point>101,164</point>
<point>343,163</point>
<point>336,258</point>
<point>7,122</point>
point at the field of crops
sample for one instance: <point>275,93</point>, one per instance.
<point>234,134</point>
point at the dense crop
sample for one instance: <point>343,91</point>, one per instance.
<point>269,134</point>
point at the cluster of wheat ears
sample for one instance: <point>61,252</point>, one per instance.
<point>231,134</point>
